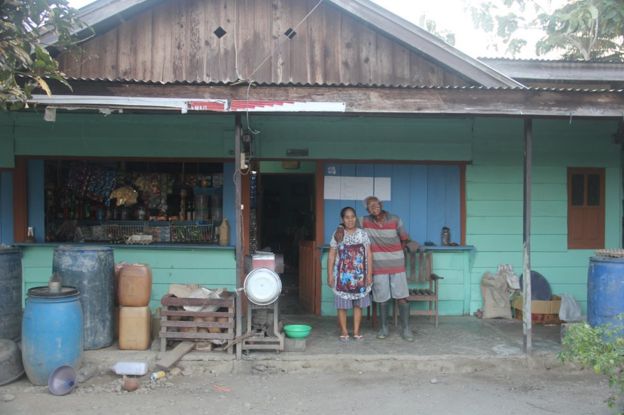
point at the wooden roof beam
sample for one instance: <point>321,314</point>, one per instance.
<point>429,101</point>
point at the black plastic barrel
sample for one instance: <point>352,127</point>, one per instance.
<point>10,293</point>
<point>91,269</point>
<point>605,292</point>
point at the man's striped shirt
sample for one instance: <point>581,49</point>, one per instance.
<point>386,237</point>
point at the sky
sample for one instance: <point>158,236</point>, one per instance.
<point>449,15</point>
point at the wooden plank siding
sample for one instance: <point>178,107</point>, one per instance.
<point>494,199</point>
<point>212,268</point>
<point>175,41</point>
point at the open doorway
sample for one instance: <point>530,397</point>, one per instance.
<point>286,217</point>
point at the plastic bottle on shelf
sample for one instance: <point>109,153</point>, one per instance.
<point>224,233</point>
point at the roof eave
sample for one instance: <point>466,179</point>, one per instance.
<point>94,14</point>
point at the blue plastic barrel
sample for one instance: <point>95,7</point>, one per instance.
<point>10,293</point>
<point>91,269</point>
<point>605,291</point>
<point>51,332</point>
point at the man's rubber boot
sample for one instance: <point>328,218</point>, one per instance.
<point>406,333</point>
<point>383,320</point>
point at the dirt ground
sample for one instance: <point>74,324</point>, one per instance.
<point>264,389</point>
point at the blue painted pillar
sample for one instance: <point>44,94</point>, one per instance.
<point>6,207</point>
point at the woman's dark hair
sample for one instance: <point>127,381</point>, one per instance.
<point>345,209</point>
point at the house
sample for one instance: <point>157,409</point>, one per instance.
<point>308,106</point>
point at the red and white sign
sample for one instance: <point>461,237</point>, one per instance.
<point>286,106</point>
<point>219,105</point>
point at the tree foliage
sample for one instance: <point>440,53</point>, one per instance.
<point>26,64</point>
<point>600,349</point>
<point>432,27</point>
<point>585,29</point>
<point>578,30</point>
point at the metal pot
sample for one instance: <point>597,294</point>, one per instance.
<point>262,286</point>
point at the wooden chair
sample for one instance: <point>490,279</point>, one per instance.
<point>429,295</point>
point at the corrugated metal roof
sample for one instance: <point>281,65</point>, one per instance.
<point>341,85</point>
<point>560,70</point>
<point>502,58</point>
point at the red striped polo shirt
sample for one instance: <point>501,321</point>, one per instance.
<point>386,237</point>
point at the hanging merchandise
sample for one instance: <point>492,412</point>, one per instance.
<point>125,196</point>
<point>101,183</point>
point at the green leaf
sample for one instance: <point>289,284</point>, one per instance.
<point>22,57</point>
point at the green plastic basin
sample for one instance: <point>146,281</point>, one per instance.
<point>297,331</point>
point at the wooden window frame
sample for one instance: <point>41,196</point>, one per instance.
<point>601,208</point>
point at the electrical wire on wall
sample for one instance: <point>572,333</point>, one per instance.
<point>249,79</point>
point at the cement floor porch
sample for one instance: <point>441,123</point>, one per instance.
<point>459,344</point>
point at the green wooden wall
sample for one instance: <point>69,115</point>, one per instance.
<point>494,198</point>
<point>364,137</point>
<point>119,135</point>
<point>210,267</point>
<point>493,147</point>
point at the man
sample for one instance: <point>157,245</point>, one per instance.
<point>388,239</point>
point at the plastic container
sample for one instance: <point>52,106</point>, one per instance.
<point>91,270</point>
<point>130,368</point>
<point>134,328</point>
<point>62,381</point>
<point>202,209</point>
<point>52,334</point>
<point>605,291</point>
<point>297,331</point>
<point>224,233</point>
<point>10,293</point>
<point>134,285</point>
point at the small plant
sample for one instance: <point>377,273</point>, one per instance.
<point>600,348</point>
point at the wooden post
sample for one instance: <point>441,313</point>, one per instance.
<point>526,238</point>
<point>239,233</point>
<point>20,200</point>
<point>319,237</point>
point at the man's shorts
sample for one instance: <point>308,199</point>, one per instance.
<point>386,286</point>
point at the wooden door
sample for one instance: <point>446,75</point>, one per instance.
<point>586,208</point>
<point>309,276</point>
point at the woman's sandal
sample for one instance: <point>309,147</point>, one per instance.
<point>344,338</point>
<point>358,337</point>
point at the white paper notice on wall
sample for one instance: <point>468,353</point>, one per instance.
<point>332,188</point>
<point>356,188</point>
<point>382,188</point>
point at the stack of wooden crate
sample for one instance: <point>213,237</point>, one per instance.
<point>213,322</point>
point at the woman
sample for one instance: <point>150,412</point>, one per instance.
<point>350,272</point>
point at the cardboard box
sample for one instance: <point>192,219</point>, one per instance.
<point>542,312</point>
<point>540,307</point>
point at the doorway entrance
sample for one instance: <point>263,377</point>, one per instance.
<point>286,218</point>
